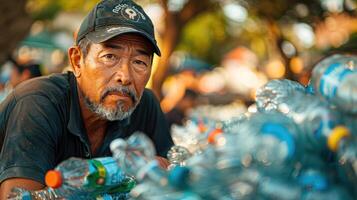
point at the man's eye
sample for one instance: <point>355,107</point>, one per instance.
<point>139,62</point>
<point>109,57</point>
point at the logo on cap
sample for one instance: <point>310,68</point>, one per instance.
<point>129,13</point>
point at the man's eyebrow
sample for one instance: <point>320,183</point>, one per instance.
<point>143,52</point>
<point>116,46</point>
<point>112,46</point>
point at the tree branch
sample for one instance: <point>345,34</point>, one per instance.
<point>193,8</point>
<point>163,3</point>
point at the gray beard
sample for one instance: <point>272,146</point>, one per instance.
<point>112,114</point>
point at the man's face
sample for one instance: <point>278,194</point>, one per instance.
<point>113,75</point>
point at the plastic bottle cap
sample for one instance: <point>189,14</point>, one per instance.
<point>53,179</point>
<point>201,127</point>
<point>336,135</point>
<point>212,135</point>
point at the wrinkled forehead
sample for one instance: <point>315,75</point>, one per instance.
<point>131,39</point>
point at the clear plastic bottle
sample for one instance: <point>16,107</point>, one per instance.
<point>284,189</point>
<point>22,194</point>
<point>270,141</point>
<point>274,92</point>
<point>189,136</point>
<point>177,156</point>
<point>78,178</point>
<point>314,116</point>
<point>310,185</point>
<point>334,192</point>
<point>233,123</point>
<point>278,188</point>
<point>204,178</point>
<point>117,196</point>
<point>310,88</point>
<point>335,78</point>
<point>136,155</point>
<point>350,121</point>
<point>50,194</point>
<point>347,162</point>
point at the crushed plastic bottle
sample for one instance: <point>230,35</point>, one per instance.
<point>276,91</point>
<point>50,194</point>
<point>314,116</point>
<point>177,156</point>
<point>270,141</point>
<point>137,157</point>
<point>347,162</point>
<point>79,178</point>
<point>335,78</point>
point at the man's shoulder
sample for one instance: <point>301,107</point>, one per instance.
<point>148,97</point>
<point>53,86</point>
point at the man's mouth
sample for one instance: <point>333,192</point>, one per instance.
<point>117,95</point>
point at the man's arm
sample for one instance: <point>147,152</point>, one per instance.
<point>163,162</point>
<point>28,184</point>
<point>30,144</point>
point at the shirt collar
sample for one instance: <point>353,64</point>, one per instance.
<point>75,122</point>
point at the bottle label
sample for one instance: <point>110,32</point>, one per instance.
<point>315,181</point>
<point>331,79</point>
<point>107,169</point>
<point>324,127</point>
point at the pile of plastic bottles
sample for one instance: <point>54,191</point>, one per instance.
<point>301,144</point>
<point>218,112</point>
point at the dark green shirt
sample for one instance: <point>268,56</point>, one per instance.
<point>41,125</point>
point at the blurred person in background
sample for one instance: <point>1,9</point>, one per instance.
<point>4,82</point>
<point>79,113</point>
<point>181,110</point>
<point>20,73</point>
<point>17,73</point>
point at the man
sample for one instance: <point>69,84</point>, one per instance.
<point>20,73</point>
<point>50,119</point>
<point>17,73</point>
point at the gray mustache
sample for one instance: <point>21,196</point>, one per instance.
<point>123,90</point>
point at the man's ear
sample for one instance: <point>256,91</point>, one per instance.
<point>75,56</point>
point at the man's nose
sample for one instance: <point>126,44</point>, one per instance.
<point>123,74</point>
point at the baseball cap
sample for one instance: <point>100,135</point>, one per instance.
<point>110,18</point>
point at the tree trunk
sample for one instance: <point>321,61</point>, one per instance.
<point>277,39</point>
<point>170,39</point>
<point>174,23</point>
<point>15,23</point>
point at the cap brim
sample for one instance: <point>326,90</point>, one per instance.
<point>104,34</point>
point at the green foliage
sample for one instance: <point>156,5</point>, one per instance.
<point>82,5</point>
<point>43,9</point>
<point>48,9</point>
<point>205,36</point>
